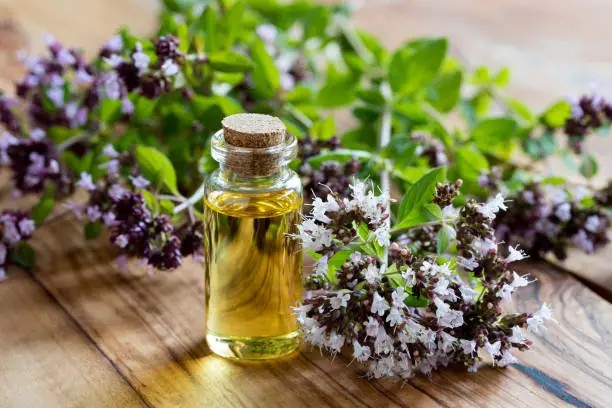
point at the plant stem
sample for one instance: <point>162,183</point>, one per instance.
<point>73,140</point>
<point>353,38</point>
<point>304,120</point>
<point>197,196</point>
<point>383,140</point>
<point>436,222</point>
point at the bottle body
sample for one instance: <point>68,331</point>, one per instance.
<point>253,267</point>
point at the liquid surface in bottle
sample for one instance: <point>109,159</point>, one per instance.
<point>253,273</point>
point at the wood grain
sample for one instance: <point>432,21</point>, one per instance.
<point>47,361</point>
<point>152,328</point>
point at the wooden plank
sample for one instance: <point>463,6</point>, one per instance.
<point>595,269</point>
<point>47,361</point>
<point>153,329</point>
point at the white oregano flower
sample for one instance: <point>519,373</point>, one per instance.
<point>86,182</point>
<point>536,323</point>
<point>372,274</point>
<point>340,300</point>
<point>360,353</point>
<point>379,305</point>
<point>321,266</point>
<point>515,254</point>
<point>493,206</point>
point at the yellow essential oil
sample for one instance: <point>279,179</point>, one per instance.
<point>253,266</point>
<point>253,274</point>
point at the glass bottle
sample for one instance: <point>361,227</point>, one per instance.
<point>253,267</point>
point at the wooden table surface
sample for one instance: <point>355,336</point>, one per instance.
<point>78,333</point>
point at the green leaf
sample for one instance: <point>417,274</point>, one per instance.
<point>23,255</point>
<point>520,109</point>
<point>143,108</point>
<point>469,163</point>
<point>265,74</point>
<point>589,166</point>
<point>93,230</point>
<point>340,89</point>
<point>411,207</point>
<point>335,262</point>
<point>444,92</point>
<point>60,133</point>
<point>210,19</point>
<point>150,201</point>
<point>232,23</point>
<point>432,211</point>
<point>569,160</point>
<point>416,64</point>
<point>229,61</point>
<point>557,114</point>
<point>491,134</point>
<point>414,301</point>
<point>555,181</point>
<point>166,207</point>
<point>156,167</point>
<point>316,21</point>
<point>363,231</point>
<point>205,105</point>
<point>324,129</point>
<point>360,138</point>
<point>299,94</point>
<point>409,173</point>
<point>110,110</point>
<point>42,209</point>
<point>339,155</point>
<point>503,77</point>
<point>444,238</point>
<point>481,76</point>
<point>372,96</point>
<point>183,36</point>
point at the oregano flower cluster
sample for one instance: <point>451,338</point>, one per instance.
<point>134,229</point>
<point>15,228</point>
<point>546,218</point>
<point>401,313</point>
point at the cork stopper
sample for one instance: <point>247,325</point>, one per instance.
<point>256,144</point>
<point>253,130</point>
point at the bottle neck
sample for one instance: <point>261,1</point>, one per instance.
<point>255,181</point>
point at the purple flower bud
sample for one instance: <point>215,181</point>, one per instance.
<point>121,241</point>
<point>65,58</point>
<point>37,134</point>
<point>267,32</point>
<point>86,182</point>
<point>93,213</point>
<point>115,43</point>
<point>56,95</point>
<point>116,192</point>
<point>11,234</point>
<point>112,87</point>
<point>140,182</point>
<point>169,68</point>
<point>83,78</point>
<point>127,107</point>
<point>141,60</point>
<point>114,60</point>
